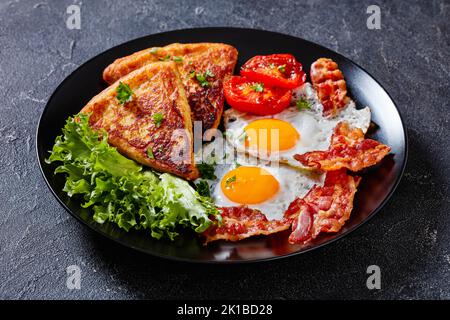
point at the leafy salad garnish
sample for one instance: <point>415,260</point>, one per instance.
<point>206,170</point>
<point>202,187</point>
<point>119,190</point>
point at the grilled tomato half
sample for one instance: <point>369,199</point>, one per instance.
<point>278,70</point>
<point>255,97</point>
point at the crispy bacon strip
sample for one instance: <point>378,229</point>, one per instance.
<point>330,85</point>
<point>348,149</point>
<point>324,209</point>
<point>242,222</point>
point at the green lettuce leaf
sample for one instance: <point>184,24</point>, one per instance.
<point>121,191</point>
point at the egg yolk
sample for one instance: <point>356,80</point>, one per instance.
<point>270,135</point>
<point>249,185</point>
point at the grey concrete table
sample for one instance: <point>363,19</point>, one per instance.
<point>409,239</point>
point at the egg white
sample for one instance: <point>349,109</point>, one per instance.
<point>315,130</point>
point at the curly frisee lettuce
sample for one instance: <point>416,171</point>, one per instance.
<point>119,190</point>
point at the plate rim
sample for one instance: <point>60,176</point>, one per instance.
<point>247,261</point>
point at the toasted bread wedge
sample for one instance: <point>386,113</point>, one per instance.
<point>194,59</point>
<point>155,127</point>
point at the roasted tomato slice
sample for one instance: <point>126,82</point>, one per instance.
<point>255,97</point>
<point>279,70</point>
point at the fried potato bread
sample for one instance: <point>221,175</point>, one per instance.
<point>154,127</point>
<point>203,68</point>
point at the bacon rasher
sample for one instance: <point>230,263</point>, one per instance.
<point>330,85</point>
<point>348,149</point>
<point>242,222</point>
<point>324,209</point>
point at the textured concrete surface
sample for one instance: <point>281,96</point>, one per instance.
<point>409,239</point>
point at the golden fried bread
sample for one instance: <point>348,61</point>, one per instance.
<point>155,127</point>
<point>193,59</point>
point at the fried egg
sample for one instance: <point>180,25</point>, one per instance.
<point>259,184</point>
<point>279,137</point>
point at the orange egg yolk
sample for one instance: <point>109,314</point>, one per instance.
<point>249,185</point>
<point>270,135</point>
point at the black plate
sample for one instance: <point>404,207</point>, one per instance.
<point>377,185</point>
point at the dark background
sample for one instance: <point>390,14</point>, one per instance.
<point>409,239</point>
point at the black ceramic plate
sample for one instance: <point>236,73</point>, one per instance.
<point>376,187</point>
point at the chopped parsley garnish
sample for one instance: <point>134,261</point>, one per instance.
<point>282,68</point>
<point>258,87</point>
<point>150,153</point>
<point>303,105</point>
<point>203,188</point>
<point>153,50</point>
<point>158,118</point>
<point>206,171</point>
<point>166,58</point>
<point>177,59</point>
<point>202,78</point>
<point>190,62</point>
<point>209,73</point>
<point>237,164</point>
<point>124,93</point>
<point>230,181</point>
